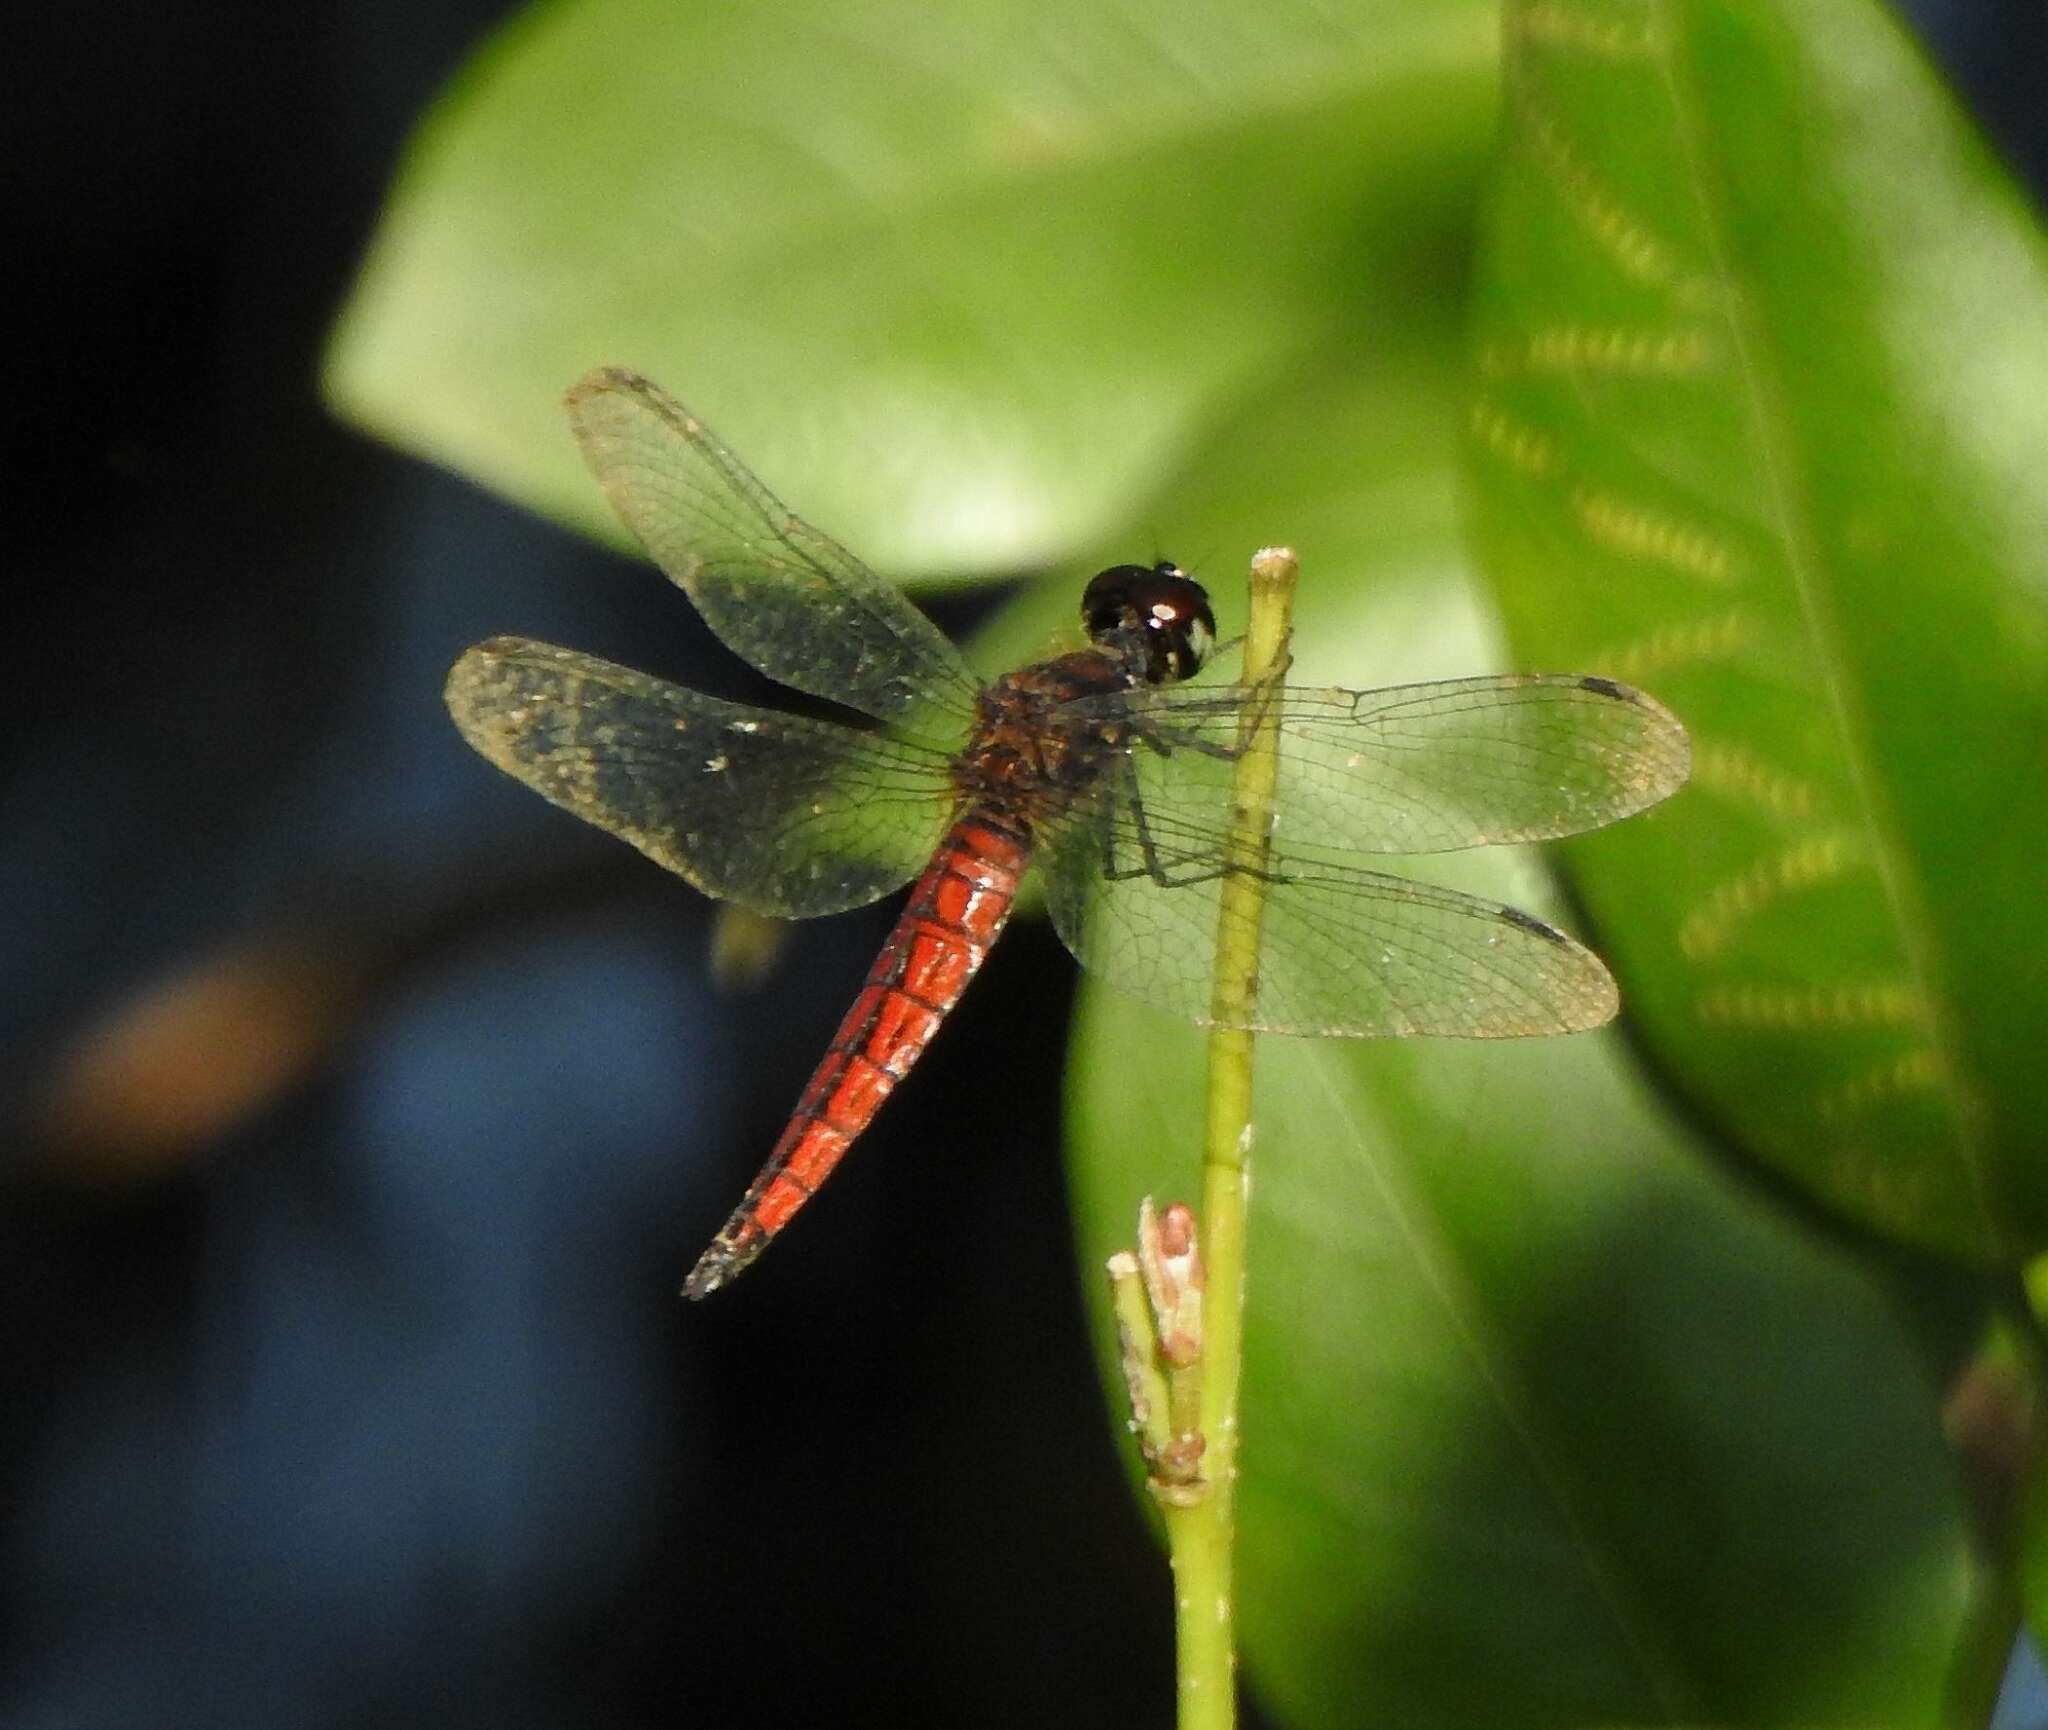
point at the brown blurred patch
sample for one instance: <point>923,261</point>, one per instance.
<point>164,1071</point>
<point>1991,1420</point>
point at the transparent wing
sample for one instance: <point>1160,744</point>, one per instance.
<point>791,600</point>
<point>1343,950</point>
<point>780,814</point>
<point>1418,768</point>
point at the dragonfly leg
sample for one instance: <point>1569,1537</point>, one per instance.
<point>1167,740</point>
<point>1170,870</point>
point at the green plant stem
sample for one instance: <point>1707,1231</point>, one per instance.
<point>1201,1537</point>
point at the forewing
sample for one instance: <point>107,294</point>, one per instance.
<point>789,599</point>
<point>1419,768</point>
<point>777,813</point>
<point>1343,950</point>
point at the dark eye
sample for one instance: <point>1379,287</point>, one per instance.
<point>1156,618</point>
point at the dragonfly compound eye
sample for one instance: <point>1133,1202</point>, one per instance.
<point>1156,617</point>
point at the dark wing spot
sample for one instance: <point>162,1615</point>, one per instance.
<point>1606,688</point>
<point>1529,922</point>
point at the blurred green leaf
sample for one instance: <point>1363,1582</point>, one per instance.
<point>1348,456</point>
<point>1763,425</point>
<point>962,280</point>
<point>1530,1393</point>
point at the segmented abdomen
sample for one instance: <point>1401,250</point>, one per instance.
<point>955,913</point>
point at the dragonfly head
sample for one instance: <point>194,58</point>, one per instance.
<point>1156,618</point>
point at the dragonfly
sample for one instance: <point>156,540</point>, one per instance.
<point>1108,769</point>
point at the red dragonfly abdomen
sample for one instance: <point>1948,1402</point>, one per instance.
<point>956,911</point>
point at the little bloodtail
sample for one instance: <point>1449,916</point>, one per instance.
<point>1022,763</point>
<point>955,913</point>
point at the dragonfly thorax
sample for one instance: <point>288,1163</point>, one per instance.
<point>1029,753</point>
<point>1153,618</point>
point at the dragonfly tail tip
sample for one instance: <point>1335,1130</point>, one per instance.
<point>722,1263</point>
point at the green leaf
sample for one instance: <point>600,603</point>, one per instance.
<point>961,281</point>
<point>1761,424</point>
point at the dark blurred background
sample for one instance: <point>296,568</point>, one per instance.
<point>362,1114</point>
